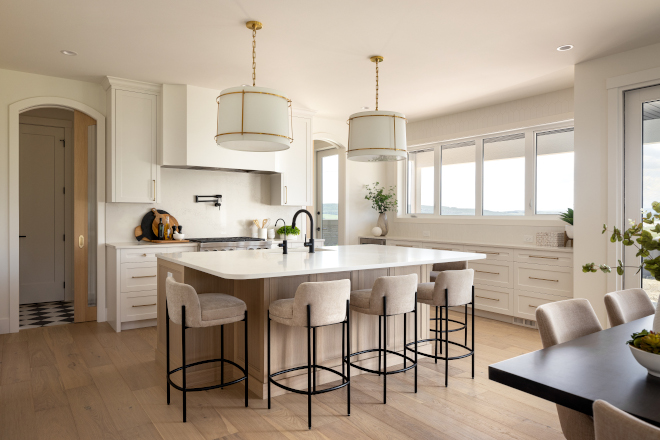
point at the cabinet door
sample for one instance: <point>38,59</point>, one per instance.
<point>296,165</point>
<point>135,144</point>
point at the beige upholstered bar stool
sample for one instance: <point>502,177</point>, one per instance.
<point>627,305</point>
<point>452,288</point>
<point>441,267</point>
<point>314,305</point>
<point>613,424</point>
<point>390,295</point>
<point>190,310</point>
<point>563,321</point>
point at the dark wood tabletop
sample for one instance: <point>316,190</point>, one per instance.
<point>577,373</point>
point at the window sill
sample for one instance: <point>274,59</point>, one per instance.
<point>505,220</point>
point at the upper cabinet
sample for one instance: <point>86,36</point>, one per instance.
<point>292,185</point>
<point>132,141</point>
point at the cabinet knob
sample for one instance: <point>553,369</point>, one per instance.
<point>81,242</point>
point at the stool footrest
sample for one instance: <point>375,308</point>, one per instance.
<point>210,387</point>
<point>463,325</point>
<point>388,372</point>
<point>344,378</point>
<point>470,351</point>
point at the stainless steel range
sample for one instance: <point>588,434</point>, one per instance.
<point>231,243</point>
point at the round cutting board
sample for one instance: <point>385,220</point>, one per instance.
<point>146,232</point>
<point>158,214</point>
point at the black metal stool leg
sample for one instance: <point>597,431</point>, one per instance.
<point>348,346</point>
<point>466,326</point>
<point>405,351</point>
<point>385,351</point>
<point>222,355</point>
<point>438,335</point>
<point>447,338</point>
<point>314,359</point>
<point>167,339</point>
<point>472,332</point>
<point>309,369</point>
<point>246,359</point>
<point>183,357</point>
<point>343,347</point>
<point>380,344</point>
<point>269,359</point>
<point>415,315</point>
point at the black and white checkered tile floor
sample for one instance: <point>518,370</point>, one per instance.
<point>45,314</point>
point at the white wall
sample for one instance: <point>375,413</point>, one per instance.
<point>355,211</point>
<point>244,197</point>
<point>591,164</point>
<point>536,110</point>
<point>16,86</point>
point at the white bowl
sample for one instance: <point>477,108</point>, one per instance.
<point>650,361</point>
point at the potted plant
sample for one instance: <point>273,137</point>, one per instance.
<point>288,233</point>
<point>645,347</point>
<point>568,218</point>
<point>382,202</point>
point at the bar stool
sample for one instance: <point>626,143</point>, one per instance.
<point>314,305</point>
<point>451,288</point>
<point>190,310</point>
<point>391,295</point>
<point>441,267</point>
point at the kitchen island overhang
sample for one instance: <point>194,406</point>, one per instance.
<point>260,277</point>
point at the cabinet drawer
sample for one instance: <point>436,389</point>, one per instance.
<point>543,257</point>
<point>138,305</point>
<point>444,246</point>
<point>494,299</point>
<point>138,276</point>
<point>553,280</point>
<point>526,303</point>
<point>492,253</point>
<point>174,249</point>
<point>497,273</point>
<point>403,243</point>
<point>145,255</point>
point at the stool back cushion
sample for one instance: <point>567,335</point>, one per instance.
<point>458,284</point>
<point>563,321</point>
<point>400,292</point>
<point>180,294</point>
<point>627,305</point>
<point>327,301</point>
<point>454,265</point>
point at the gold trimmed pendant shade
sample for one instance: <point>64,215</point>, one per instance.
<point>377,136</point>
<point>254,118</point>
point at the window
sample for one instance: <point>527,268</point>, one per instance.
<point>554,171</point>
<point>526,172</point>
<point>421,182</point>
<point>457,187</point>
<point>504,175</point>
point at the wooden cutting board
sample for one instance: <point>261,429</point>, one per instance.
<point>158,216</point>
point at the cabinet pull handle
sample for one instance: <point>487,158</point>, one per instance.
<point>81,242</point>
<point>487,252</point>
<point>144,305</point>
<point>532,306</point>
<point>144,276</point>
<point>543,279</point>
<point>154,189</point>
<point>404,245</point>
<point>144,255</point>
<point>541,256</point>
<point>286,195</point>
<point>441,249</point>
<point>483,271</point>
<point>485,297</point>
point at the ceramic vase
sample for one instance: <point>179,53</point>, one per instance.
<point>569,231</point>
<point>656,320</point>
<point>382,223</point>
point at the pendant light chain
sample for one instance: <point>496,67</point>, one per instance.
<point>254,55</point>
<point>376,85</point>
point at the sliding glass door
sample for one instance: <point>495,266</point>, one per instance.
<point>327,196</point>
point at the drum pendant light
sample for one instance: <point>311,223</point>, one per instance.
<point>377,136</point>
<point>253,118</point>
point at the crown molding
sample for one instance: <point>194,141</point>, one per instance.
<point>130,85</point>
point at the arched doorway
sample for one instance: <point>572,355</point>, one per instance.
<point>92,118</point>
<point>329,150</point>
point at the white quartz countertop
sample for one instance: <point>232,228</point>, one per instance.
<point>140,244</point>
<point>271,263</point>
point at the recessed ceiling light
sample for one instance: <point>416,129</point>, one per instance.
<point>69,53</point>
<point>365,108</point>
<point>565,47</point>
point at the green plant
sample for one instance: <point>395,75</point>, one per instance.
<point>567,216</point>
<point>640,237</point>
<point>381,201</point>
<point>646,340</point>
<point>288,230</point>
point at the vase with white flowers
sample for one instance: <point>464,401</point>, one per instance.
<point>382,201</point>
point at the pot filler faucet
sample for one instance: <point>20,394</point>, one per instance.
<point>310,243</point>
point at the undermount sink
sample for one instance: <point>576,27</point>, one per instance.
<point>298,249</point>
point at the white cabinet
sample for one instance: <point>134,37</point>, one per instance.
<point>132,141</point>
<point>131,284</point>
<point>293,184</point>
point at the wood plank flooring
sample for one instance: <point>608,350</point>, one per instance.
<point>84,381</point>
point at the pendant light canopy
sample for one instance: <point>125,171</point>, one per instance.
<point>253,118</point>
<point>377,136</point>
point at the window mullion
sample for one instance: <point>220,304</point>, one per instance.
<point>478,175</point>
<point>437,166</point>
<point>530,173</point>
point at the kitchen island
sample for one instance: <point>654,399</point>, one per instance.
<point>260,277</point>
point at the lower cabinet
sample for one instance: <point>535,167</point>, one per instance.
<point>131,288</point>
<point>526,303</point>
<point>494,299</point>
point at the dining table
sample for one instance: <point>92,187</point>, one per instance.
<point>576,373</point>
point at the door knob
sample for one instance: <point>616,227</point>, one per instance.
<point>81,242</point>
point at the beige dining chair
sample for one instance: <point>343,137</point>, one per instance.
<point>560,322</point>
<point>613,424</point>
<point>627,305</point>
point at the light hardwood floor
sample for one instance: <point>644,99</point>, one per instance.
<point>84,381</point>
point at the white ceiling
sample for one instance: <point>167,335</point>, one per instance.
<point>440,56</point>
